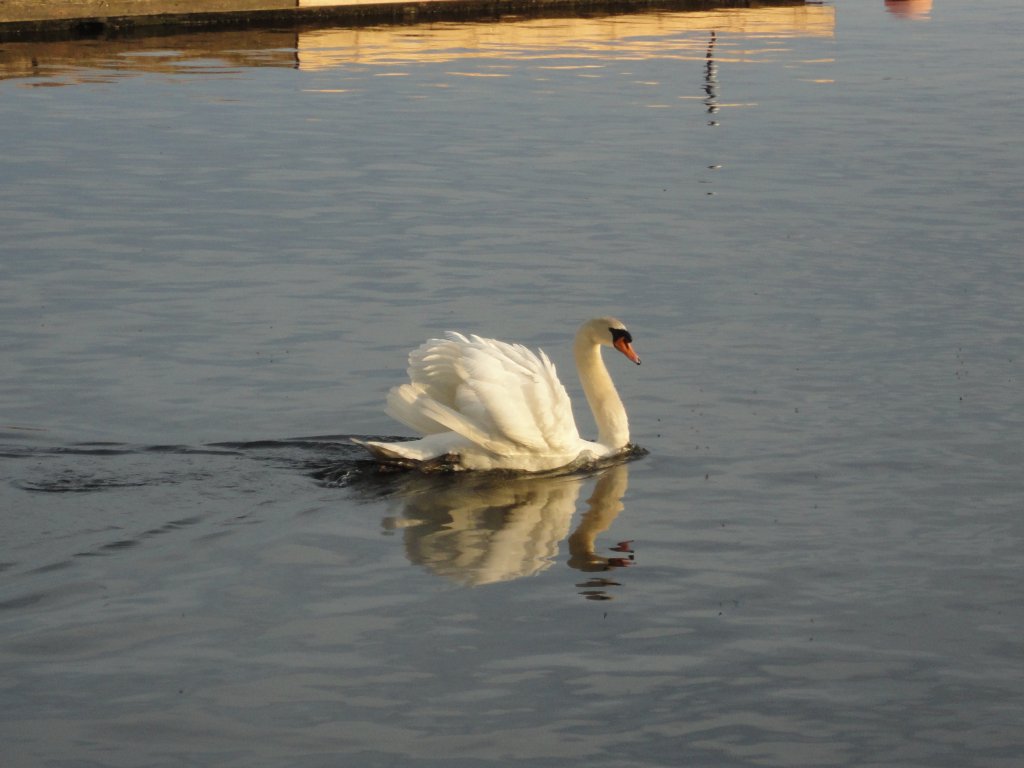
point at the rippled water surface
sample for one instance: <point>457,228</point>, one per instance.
<point>218,248</point>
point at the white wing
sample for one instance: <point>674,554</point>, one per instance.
<point>503,397</point>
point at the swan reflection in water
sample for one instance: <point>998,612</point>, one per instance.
<point>480,529</point>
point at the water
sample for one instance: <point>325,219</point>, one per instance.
<point>217,251</point>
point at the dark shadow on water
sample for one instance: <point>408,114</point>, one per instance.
<point>94,466</point>
<point>368,474</point>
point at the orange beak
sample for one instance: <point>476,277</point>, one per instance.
<point>627,349</point>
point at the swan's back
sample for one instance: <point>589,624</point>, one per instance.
<point>501,397</point>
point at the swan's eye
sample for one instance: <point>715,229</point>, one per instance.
<point>621,333</point>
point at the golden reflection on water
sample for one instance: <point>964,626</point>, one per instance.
<point>752,36</point>
<point>630,37</point>
<point>476,530</point>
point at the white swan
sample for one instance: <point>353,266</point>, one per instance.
<point>486,404</point>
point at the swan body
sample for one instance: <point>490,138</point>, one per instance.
<point>486,404</point>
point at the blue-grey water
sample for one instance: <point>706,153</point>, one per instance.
<point>217,249</point>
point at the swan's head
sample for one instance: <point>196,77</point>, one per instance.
<point>610,332</point>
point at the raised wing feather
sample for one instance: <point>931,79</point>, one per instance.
<point>503,397</point>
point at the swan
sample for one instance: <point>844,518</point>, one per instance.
<point>485,404</point>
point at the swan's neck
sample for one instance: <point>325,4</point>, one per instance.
<point>609,413</point>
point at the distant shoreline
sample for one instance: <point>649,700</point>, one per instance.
<point>28,20</point>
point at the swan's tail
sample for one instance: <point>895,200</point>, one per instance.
<point>413,454</point>
<point>383,451</point>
